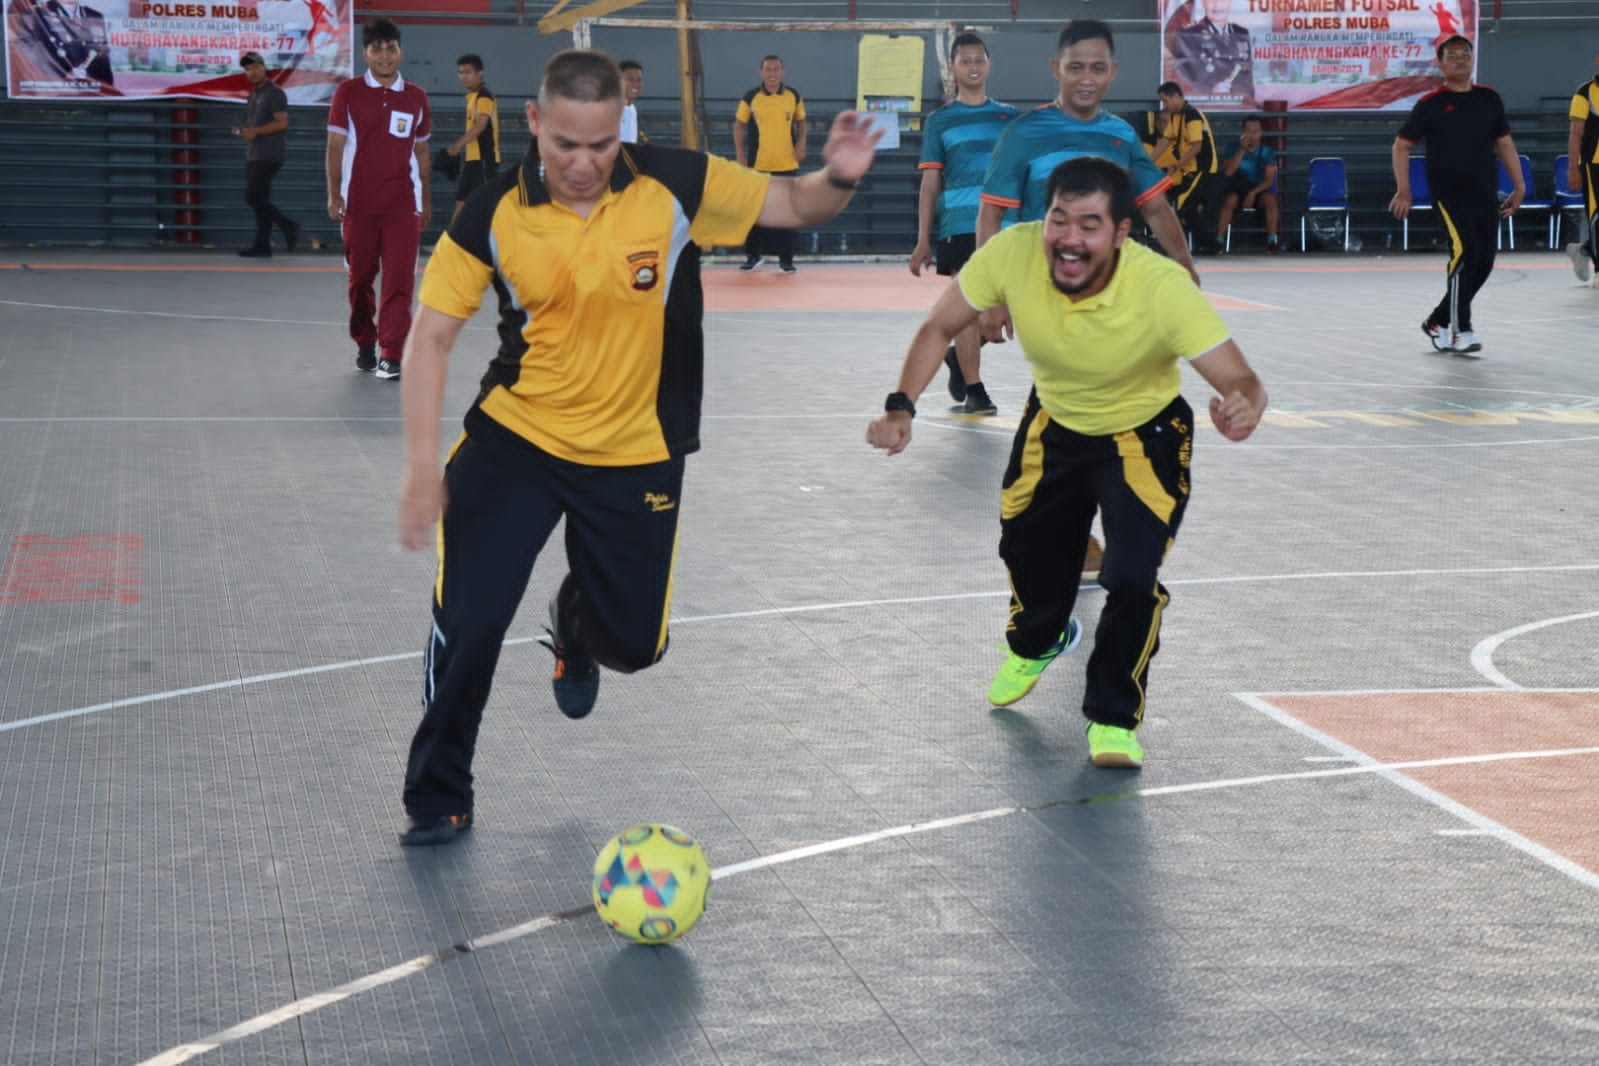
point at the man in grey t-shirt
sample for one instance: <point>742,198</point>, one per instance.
<point>266,117</point>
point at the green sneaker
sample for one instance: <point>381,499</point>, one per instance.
<point>1017,675</point>
<point>1114,747</point>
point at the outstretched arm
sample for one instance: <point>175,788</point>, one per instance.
<point>949,316</point>
<point>1241,398</point>
<point>792,203</point>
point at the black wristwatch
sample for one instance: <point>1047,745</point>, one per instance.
<point>898,401</point>
<point>840,183</point>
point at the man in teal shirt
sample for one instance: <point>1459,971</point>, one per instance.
<point>957,141</point>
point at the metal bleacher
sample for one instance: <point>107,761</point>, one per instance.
<point>85,173</point>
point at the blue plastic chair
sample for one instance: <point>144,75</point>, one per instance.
<point>1326,189</point>
<point>1529,201</point>
<point>1420,196</point>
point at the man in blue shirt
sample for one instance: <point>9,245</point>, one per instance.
<point>1251,171</point>
<point>957,141</point>
<point>1016,187</point>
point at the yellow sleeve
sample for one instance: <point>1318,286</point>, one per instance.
<point>1579,107</point>
<point>455,280</point>
<point>1192,326</point>
<point>1193,132</point>
<point>982,279</point>
<point>732,201</point>
<point>743,111</point>
<point>799,108</point>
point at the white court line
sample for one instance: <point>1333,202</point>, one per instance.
<point>186,315</point>
<point>1391,771</point>
<point>768,612</point>
<point>1482,656</point>
<point>1488,826</point>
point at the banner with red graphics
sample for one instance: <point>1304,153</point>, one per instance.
<point>144,49</point>
<point>1346,55</point>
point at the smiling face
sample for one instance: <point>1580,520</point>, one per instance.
<point>382,59</point>
<point>1084,71</point>
<point>772,75</point>
<point>1082,241</point>
<point>578,141</point>
<point>632,84</point>
<point>971,66</point>
<point>1218,11</point>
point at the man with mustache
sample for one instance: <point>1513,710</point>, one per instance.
<point>1104,322</point>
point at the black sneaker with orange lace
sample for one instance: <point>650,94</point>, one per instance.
<point>577,675</point>
<point>426,832</point>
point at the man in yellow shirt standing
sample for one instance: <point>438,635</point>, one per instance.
<point>769,135</point>
<point>1186,150</point>
<point>1104,323</point>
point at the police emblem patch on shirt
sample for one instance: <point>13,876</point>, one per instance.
<point>400,123</point>
<point>645,271</point>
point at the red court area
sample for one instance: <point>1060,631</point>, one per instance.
<point>1550,801</point>
<point>849,287</point>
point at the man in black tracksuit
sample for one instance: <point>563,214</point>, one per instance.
<point>1465,128</point>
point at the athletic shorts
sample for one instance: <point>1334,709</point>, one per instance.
<point>949,256</point>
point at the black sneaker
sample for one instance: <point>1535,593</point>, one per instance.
<point>977,401</point>
<point>253,252</point>
<point>957,380</point>
<point>752,262</point>
<point>426,832</point>
<point>577,675</point>
<point>787,266</point>
<point>366,358</point>
<point>388,370</point>
<point>291,235</point>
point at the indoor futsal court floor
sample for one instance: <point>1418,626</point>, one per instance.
<point>1365,831</point>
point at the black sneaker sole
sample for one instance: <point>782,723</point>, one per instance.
<point>957,380</point>
<point>431,834</point>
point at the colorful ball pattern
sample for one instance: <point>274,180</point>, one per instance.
<point>651,883</point>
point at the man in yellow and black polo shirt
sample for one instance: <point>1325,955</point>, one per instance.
<point>1186,150</point>
<point>1104,322</point>
<point>588,407</point>
<point>1582,171</point>
<point>769,135</point>
<point>480,144</point>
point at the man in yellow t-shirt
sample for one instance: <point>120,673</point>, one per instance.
<point>479,146</point>
<point>1186,151</point>
<point>1104,322</point>
<point>769,135</point>
<point>589,407</point>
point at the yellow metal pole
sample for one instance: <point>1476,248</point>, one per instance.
<point>688,112</point>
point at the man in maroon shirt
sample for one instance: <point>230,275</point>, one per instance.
<point>377,167</point>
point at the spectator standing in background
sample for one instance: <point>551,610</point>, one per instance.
<point>266,117</point>
<point>769,136</point>
<point>378,184</point>
<point>632,88</point>
<point>1582,171</point>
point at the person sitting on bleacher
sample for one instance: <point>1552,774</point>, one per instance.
<point>1250,170</point>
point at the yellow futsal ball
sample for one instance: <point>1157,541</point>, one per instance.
<point>651,883</point>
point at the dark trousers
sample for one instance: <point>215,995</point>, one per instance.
<point>505,498</point>
<point>1197,200</point>
<point>1472,225</point>
<point>258,175</point>
<point>1590,209</point>
<point>1056,479</point>
<point>388,243</point>
<point>763,240</point>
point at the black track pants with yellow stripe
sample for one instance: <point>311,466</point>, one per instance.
<point>1471,222</point>
<point>505,499</point>
<point>1056,480</point>
<point>1590,209</point>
